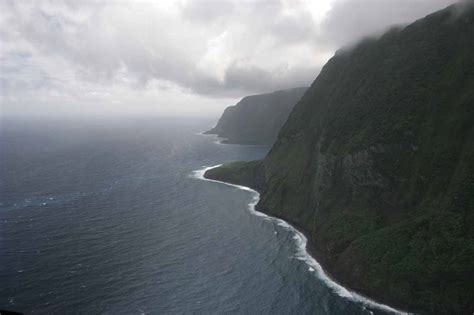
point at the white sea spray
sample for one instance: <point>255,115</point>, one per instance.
<point>302,253</point>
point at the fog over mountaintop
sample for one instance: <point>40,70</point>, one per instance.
<point>175,57</point>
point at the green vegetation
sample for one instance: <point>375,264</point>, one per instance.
<point>257,119</point>
<point>376,163</point>
<point>249,174</point>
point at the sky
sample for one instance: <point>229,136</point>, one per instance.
<point>175,58</point>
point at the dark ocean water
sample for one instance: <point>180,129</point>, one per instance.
<point>108,217</point>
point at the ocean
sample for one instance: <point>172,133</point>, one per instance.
<point>111,216</point>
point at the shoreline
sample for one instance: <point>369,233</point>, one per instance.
<point>303,248</point>
<point>222,140</point>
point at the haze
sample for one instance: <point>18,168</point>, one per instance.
<point>174,58</point>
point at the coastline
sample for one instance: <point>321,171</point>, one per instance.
<point>223,140</point>
<point>304,247</point>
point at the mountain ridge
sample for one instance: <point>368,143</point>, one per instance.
<point>256,119</point>
<point>375,164</point>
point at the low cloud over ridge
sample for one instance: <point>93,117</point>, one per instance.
<point>111,52</point>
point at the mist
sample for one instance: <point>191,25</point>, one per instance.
<point>191,58</point>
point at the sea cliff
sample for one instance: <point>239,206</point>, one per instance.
<point>257,119</point>
<point>376,164</point>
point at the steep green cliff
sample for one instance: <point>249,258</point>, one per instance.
<point>376,164</point>
<point>257,119</point>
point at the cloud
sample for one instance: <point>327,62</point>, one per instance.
<point>79,51</point>
<point>207,11</point>
<point>349,21</point>
<point>248,77</point>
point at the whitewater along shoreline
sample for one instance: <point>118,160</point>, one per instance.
<point>307,251</point>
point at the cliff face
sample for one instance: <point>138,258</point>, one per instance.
<point>257,119</point>
<point>376,164</point>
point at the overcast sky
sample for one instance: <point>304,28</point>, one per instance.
<point>175,57</point>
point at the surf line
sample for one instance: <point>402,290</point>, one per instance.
<point>303,255</point>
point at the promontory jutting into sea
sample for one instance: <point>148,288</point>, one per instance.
<point>340,182</point>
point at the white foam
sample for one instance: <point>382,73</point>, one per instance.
<point>302,253</point>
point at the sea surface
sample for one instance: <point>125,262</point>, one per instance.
<point>111,217</point>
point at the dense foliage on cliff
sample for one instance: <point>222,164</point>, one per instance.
<point>248,174</point>
<point>257,119</point>
<point>376,164</point>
